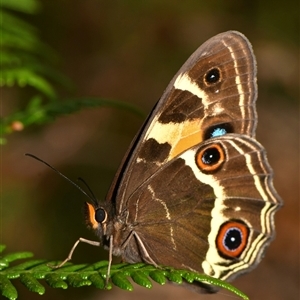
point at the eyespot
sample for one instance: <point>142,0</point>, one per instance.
<point>100,215</point>
<point>218,130</point>
<point>232,239</point>
<point>212,76</point>
<point>210,158</point>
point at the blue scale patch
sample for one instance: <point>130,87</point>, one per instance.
<point>218,132</point>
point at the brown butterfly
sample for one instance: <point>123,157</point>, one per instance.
<point>195,189</point>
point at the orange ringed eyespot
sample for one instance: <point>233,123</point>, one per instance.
<point>232,239</point>
<point>210,158</point>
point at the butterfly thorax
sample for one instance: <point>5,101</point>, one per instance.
<point>109,226</point>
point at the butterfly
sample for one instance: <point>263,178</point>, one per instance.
<point>195,189</point>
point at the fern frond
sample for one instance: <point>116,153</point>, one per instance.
<point>25,76</point>
<point>37,112</point>
<point>24,6</point>
<point>24,57</point>
<point>31,271</point>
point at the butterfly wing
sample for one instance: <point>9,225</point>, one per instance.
<point>213,93</point>
<point>210,209</point>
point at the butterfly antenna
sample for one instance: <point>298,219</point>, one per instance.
<point>91,197</point>
<point>89,189</point>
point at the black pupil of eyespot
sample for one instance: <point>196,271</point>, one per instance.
<point>100,215</point>
<point>211,156</point>
<point>212,76</point>
<point>233,239</point>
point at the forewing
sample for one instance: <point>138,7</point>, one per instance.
<point>193,109</point>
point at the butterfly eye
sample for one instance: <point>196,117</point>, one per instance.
<point>210,158</point>
<point>94,216</point>
<point>232,239</point>
<point>100,215</point>
<point>212,76</point>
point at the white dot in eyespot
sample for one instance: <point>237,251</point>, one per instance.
<point>237,208</point>
<point>218,132</point>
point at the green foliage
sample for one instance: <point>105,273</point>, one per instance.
<point>25,6</point>
<point>38,112</point>
<point>24,58</point>
<point>27,62</point>
<point>31,271</point>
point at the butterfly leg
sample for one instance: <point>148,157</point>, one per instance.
<point>109,259</point>
<point>145,253</point>
<point>93,243</point>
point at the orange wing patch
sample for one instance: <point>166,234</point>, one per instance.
<point>180,136</point>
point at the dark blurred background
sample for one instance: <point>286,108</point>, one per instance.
<point>129,51</point>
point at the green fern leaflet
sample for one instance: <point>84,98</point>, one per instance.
<point>31,271</point>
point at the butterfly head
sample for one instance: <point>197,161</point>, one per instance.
<point>98,218</point>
